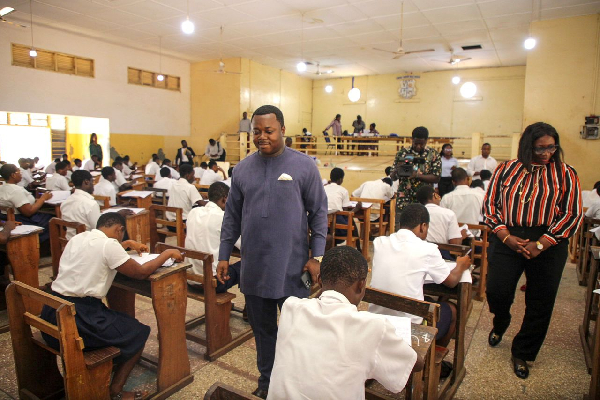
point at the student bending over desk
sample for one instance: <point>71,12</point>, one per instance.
<point>353,346</point>
<point>87,269</point>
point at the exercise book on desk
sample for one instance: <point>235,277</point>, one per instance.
<point>117,209</point>
<point>58,196</point>
<point>25,229</point>
<point>145,257</point>
<point>596,231</point>
<point>138,193</point>
<point>403,327</point>
<point>466,276</point>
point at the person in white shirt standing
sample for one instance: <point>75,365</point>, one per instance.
<point>58,180</point>
<point>355,345</point>
<point>211,176</point>
<point>380,189</point>
<point>87,269</point>
<point>443,225</point>
<point>245,124</point>
<point>483,161</point>
<point>204,234</point>
<point>401,262</point>
<point>105,186</point>
<point>183,193</point>
<point>449,164</point>
<point>213,151</point>
<point>464,201</point>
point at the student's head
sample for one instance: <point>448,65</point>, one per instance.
<point>486,149</point>
<point>344,269</point>
<point>388,180</point>
<point>304,130</point>
<point>203,165</point>
<point>358,118</point>
<point>426,194</point>
<point>372,127</point>
<point>62,168</point>
<point>288,142</point>
<point>10,173</point>
<point>56,160</point>
<point>154,155</point>
<point>165,172</point>
<point>184,143</point>
<point>459,177</point>
<point>186,171</point>
<point>108,173</point>
<point>126,159</point>
<point>69,168</point>
<point>477,183</point>
<point>415,218</point>
<point>419,139</point>
<point>245,115</point>
<point>93,138</point>
<point>117,165</point>
<point>338,116</point>
<point>155,158</point>
<point>65,157</point>
<point>230,172</point>
<point>212,142</point>
<point>112,224</point>
<point>212,164</point>
<point>597,185</point>
<point>337,176</point>
<point>36,159</point>
<point>447,150</point>
<point>485,174</point>
<point>119,158</point>
<point>78,162</point>
<point>269,129</point>
<point>388,170</point>
<point>539,144</point>
<point>166,162</point>
<point>95,158</point>
<point>217,193</point>
<point>83,180</point>
<point>23,163</point>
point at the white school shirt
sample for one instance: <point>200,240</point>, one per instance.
<point>486,185</point>
<point>75,168</point>
<point>174,174</point>
<point>183,195</point>
<point>209,177</point>
<point>163,183</point>
<point>126,170</point>
<point>443,224</point>
<point>89,165</point>
<point>400,263</point>
<point>465,202</point>
<point>80,207</point>
<point>26,178</point>
<point>479,163</point>
<point>354,346</point>
<point>15,196</point>
<point>374,190</point>
<point>198,172</point>
<point>204,234</point>
<point>593,210</point>
<point>337,197</point>
<point>88,265</point>
<point>120,179</point>
<point>447,166</point>
<point>588,197</point>
<point>152,168</point>
<point>50,169</point>
<point>227,181</point>
<point>106,188</point>
<point>57,182</point>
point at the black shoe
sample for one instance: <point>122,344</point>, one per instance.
<point>494,339</point>
<point>261,393</point>
<point>446,369</point>
<point>520,367</point>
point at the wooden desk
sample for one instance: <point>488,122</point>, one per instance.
<point>168,289</point>
<point>137,202</point>
<point>462,294</point>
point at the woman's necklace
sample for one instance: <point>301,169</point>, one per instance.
<point>535,185</point>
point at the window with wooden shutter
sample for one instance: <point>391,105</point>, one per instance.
<point>137,76</point>
<point>52,61</point>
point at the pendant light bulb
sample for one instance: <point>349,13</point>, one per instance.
<point>456,80</point>
<point>301,66</point>
<point>187,26</point>
<point>529,43</point>
<point>329,88</point>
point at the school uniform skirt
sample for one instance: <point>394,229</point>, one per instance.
<point>99,327</point>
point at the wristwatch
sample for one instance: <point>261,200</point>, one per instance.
<point>539,245</point>
<point>319,259</point>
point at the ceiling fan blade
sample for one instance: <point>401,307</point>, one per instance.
<point>398,56</point>
<point>13,23</point>
<point>444,61</point>
<point>460,59</point>
<point>387,51</point>
<point>419,51</point>
<point>232,73</point>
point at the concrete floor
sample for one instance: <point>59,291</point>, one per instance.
<point>558,373</point>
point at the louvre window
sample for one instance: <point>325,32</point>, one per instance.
<point>52,61</point>
<point>146,78</point>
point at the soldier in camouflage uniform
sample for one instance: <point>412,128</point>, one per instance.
<point>427,173</point>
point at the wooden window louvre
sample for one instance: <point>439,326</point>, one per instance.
<point>65,64</point>
<point>147,78</point>
<point>52,61</point>
<point>21,57</point>
<point>173,83</point>
<point>134,76</point>
<point>44,60</point>
<point>84,67</point>
<point>137,76</point>
<point>159,84</point>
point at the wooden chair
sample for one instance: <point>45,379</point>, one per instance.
<point>349,227</point>
<point>574,249</point>
<point>105,200</point>
<point>158,217</point>
<point>160,195</point>
<point>594,348</point>
<point>9,212</point>
<point>587,239</point>
<point>221,391</point>
<point>590,312</point>
<point>480,259</point>
<point>86,375</point>
<point>330,146</point>
<point>430,312</point>
<point>58,239</point>
<point>218,339</point>
<point>382,212</point>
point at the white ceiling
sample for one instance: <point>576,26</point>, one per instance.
<point>269,31</point>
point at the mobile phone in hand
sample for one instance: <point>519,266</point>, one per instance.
<point>306,279</point>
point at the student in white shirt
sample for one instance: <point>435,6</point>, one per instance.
<point>91,165</point>
<point>50,169</point>
<point>167,164</point>
<point>69,170</point>
<point>58,180</point>
<point>590,196</point>
<point>443,225</point>
<point>380,189</point>
<point>130,165</point>
<point>338,199</point>
<point>77,165</point>
<point>485,175</point>
<point>464,201</point>
<point>211,176</point>
<point>152,167</point>
<point>354,345</point>
<point>593,210</point>
<point>105,186</point>
<point>401,262</point>
<point>80,206</point>
<point>26,177</point>
<point>25,205</point>
<point>183,193</point>
<point>230,176</point>
<point>87,269</point>
<point>478,186</point>
<point>449,164</point>
<point>213,151</point>
<point>199,171</point>
<point>120,182</point>
<point>395,183</point>
<point>204,234</point>
<point>482,161</point>
<point>165,181</point>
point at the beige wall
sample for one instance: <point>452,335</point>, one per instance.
<point>561,86</point>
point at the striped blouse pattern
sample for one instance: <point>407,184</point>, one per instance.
<point>549,195</point>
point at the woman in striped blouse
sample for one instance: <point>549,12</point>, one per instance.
<point>533,205</point>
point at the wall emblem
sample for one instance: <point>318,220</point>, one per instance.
<point>408,86</point>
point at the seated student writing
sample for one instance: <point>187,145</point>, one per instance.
<point>199,171</point>
<point>380,189</point>
<point>77,165</point>
<point>204,234</point>
<point>167,164</point>
<point>152,167</point>
<point>353,345</point>
<point>105,186</point>
<point>165,181</point>
<point>58,180</point>
<point>485,176</point>
<point>211,176</point>
<point>25,205</point>
<point>443,225</point>
<point>338,199</point>
<point>87,269</point>
<point>402,261</point>
<point>80,206</point>
<point>50,169</point>
<point>26,175</point>
<point>183,193</point>
<point>91,164</point>
<point>120,182</point>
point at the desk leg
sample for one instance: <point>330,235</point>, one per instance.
<point>169,298</point>
<point>122,300</point>
<point>459,371</point>
<point>24,257</point>
<point>366,233</point>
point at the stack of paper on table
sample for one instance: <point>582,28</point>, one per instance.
<point>403,327</point>
<point>137,193</point>
<point>25,229</point>
<point>466,276</point>
<point>117,209</point>
<point>58,196</point>
<point>145,257</point>
<point>596,231</point>
<point>363,205</point>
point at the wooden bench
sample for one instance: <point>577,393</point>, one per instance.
<point>58,239</point>
<point>86,375</point>
<point>220,391</point>
<point>349,227</point>
<point>160,197</point>
<point>159,234</point>
<point>430,312</point>
<point>218,339</point>
<point>480,260</point>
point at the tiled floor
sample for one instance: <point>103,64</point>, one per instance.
<point>559,372</point>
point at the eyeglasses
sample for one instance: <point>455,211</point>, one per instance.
<point>541,150</point>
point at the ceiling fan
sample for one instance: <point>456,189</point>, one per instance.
<point>5,11</point>
<point>455,59</point>
<point>319,72</point>
<point>401,52</point>
<point>222,69</point>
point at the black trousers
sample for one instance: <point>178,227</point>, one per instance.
<point>262,315</point>
<point>543,279</point>
<point>445,185</point>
